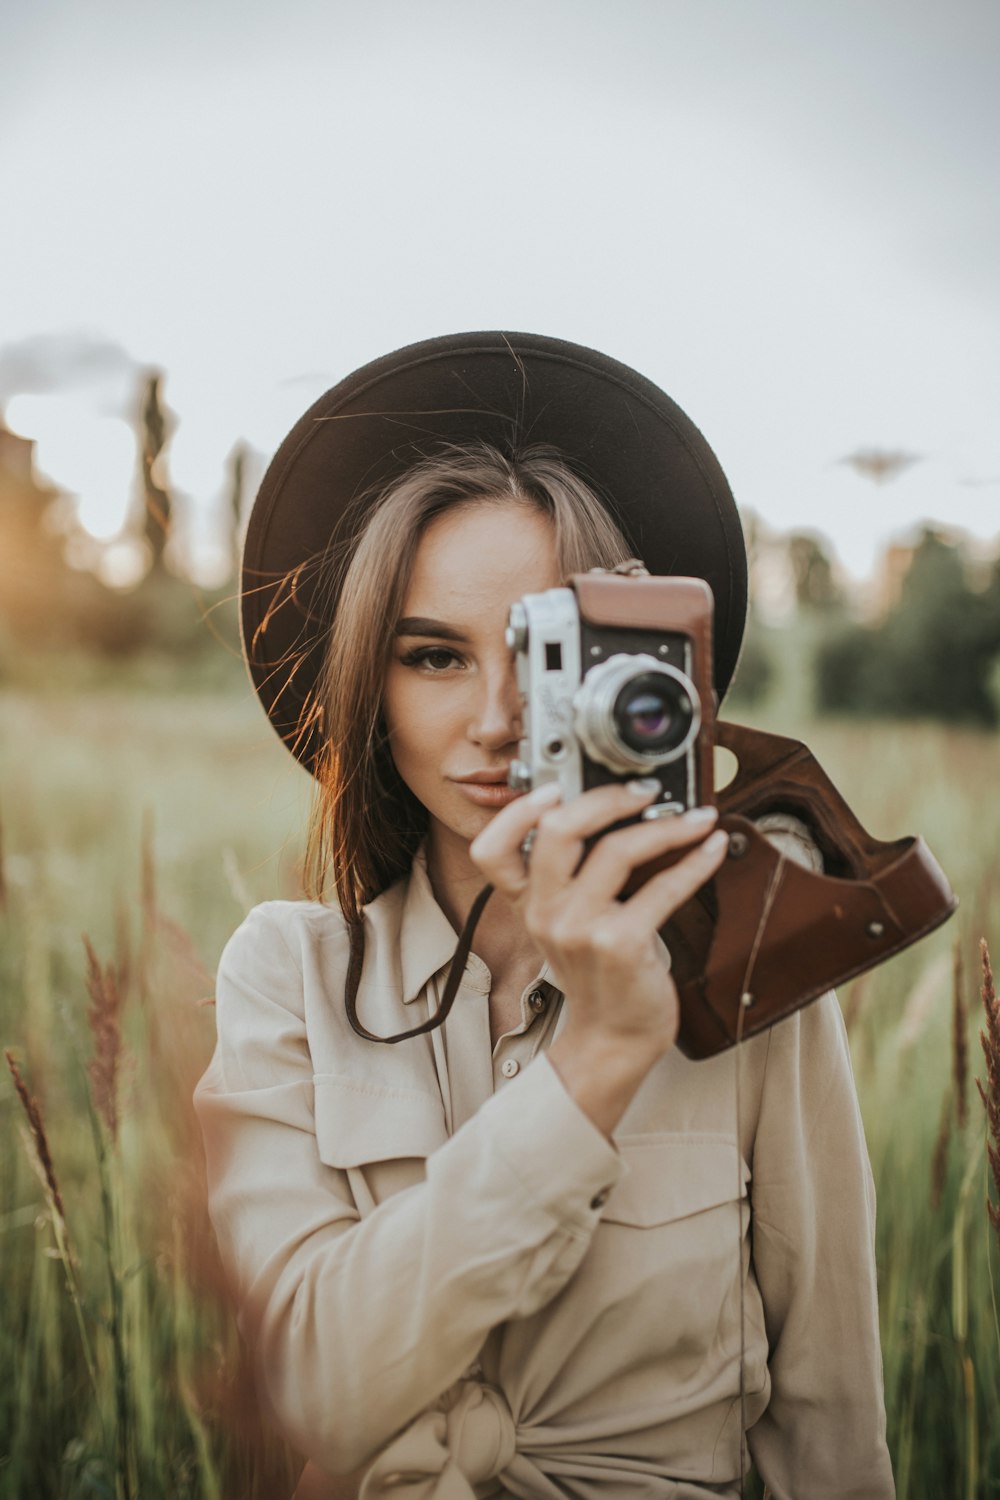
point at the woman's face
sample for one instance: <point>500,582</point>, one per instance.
<point>451,702</point>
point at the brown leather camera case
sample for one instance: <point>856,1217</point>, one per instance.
<point>766,936</point>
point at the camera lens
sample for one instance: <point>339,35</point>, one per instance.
<point>633,712</point>
<point>653,713</point>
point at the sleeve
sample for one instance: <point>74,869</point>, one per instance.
<point>823,1432</point>
<point>360,1323</point>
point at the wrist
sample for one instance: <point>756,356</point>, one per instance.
<point>602,1072</point>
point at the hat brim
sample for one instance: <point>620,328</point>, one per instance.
<point>645,459</point>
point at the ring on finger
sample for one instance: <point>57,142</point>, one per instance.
<point>526,846</point>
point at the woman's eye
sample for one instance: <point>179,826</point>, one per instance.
<point>434,658</point>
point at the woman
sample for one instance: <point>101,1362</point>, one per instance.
<point>510,1256</point>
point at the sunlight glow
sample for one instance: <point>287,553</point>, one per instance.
<point>92,457</point>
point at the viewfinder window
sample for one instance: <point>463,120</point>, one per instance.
<point>553,656</point>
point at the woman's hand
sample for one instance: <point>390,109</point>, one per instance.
<point>605,954</point>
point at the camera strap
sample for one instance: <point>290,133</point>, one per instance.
<point>456,969</point>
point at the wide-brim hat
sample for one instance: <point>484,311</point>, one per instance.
<point>645,459</point>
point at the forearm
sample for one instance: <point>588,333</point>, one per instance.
<point>360,1325</point>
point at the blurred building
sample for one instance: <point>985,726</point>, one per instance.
<point>20,488</point>
<point>44,601</point>
<point>31,559</point>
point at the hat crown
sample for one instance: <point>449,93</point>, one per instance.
<point>641,454</point>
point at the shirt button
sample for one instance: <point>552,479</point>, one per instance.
<point>510,1067</point>
<point>537,1001</point>
<point>599,1199</point>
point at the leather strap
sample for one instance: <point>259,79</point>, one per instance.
<point>456,969</point>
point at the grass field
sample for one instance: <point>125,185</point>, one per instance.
<point>150,822</point>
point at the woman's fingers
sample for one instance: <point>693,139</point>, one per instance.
<point>562,832</point>
<point>497,850</point>
<point>661,895</point>
<point>558,835</point>
<point>614,857</point>
<point>558,832</point>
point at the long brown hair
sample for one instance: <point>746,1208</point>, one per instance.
<point>366,823</point>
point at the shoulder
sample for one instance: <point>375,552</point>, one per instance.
<point>277,931</point>
<point>288,960</point>
<point>283,922</point>
<point>301,930</point>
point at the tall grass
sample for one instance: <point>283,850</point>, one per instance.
<point>150,825</point>
<point>121,1372</point>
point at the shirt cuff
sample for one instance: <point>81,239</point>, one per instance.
<point>563,1162</point>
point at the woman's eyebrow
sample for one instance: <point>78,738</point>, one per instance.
<point>421,625</point>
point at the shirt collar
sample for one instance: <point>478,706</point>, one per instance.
<point>427,940</point>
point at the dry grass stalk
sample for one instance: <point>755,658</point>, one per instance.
<point>38,1144</point>
<point>183,952</point>
<point>123,947</point>
<point>234,878</point>
<point>38,1136</point>
<point>104,1019</point>
<point>857,997</point>
<point>990,1095</point>
<point>147,896</point>
<point>921,1002</point>
<point>939,1162</point>
<point>148,866</point>
<point>960,1041</point>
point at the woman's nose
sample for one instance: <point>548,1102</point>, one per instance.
<point>497,721</point>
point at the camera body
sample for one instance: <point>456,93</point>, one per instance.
<point>615,674</point>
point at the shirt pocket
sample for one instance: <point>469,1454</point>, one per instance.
<point>671,1177</point>
<point>668,1257</point>
<point>359,1122</point>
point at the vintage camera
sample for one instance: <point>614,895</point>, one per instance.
<point>615,673</point>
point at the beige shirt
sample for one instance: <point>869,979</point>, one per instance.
<point>455,1282</point>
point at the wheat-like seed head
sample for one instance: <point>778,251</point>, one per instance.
<point>104,1019</point>
<point>37,1127</point>
<point>990,1095</point>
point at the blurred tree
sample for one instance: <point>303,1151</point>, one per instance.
<point>236,492</point>
<point>754,673</point>
<point>44,602</point>
<point>157,506</point>
<point>51,600</point>
<point>751,524</point>
<point>933,657</point>
<point>812,572</point>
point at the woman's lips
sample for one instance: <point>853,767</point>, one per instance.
<point>488,793</point>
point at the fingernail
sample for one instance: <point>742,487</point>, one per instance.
<point>643,786</point>
<point>716,841</point>
<point>700,817</point>
<point>549,791</point>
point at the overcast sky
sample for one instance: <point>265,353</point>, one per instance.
<point>785,212</point>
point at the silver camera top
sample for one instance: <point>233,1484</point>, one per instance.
<point>598,710</point>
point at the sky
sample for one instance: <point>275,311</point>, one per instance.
<point>785,212</point>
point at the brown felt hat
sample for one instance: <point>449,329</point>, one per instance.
<point>643,457</point>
